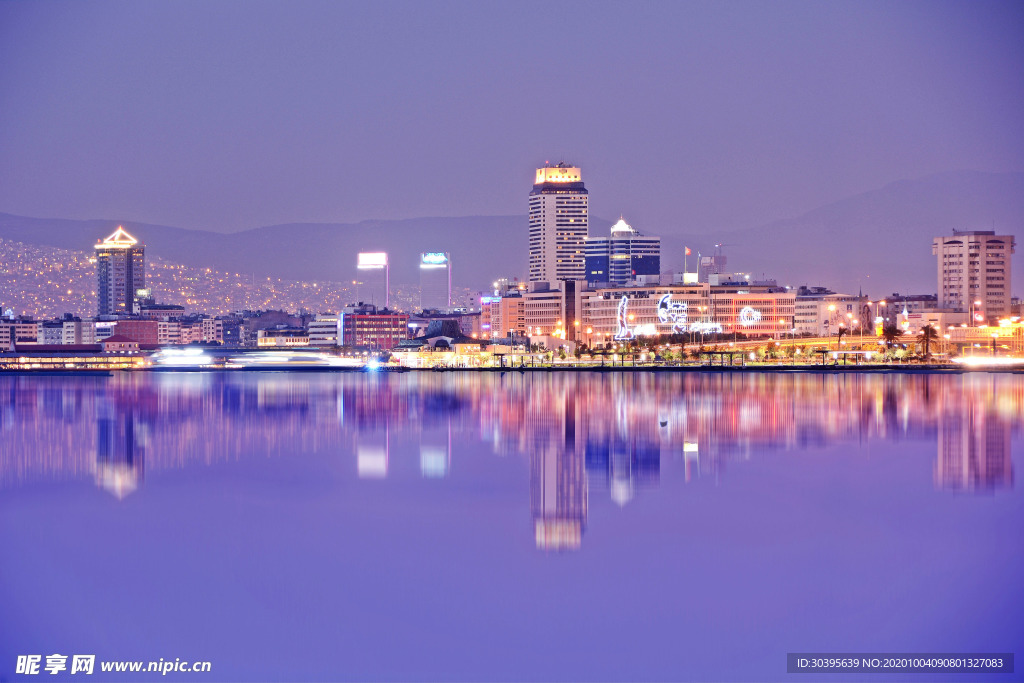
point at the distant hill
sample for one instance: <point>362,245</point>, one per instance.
<point>481,248</point>
<point>879,240</point>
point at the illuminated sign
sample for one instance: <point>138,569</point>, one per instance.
<point>484,300</point>
<point>372,259</point>
<point>557,174</point>
<point>706,328</point>
<point>118,240</point>
<point>624,332</point>
<point>672,312</point>
<point>433,259</point>
<point>749,316</point>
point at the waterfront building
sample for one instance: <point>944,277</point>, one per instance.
<point>546,310</point>
<point>50,332</point>
<point>505,315</point>
<point>974,273</point>
<point>558,224</point>
<point>820,312</point>
<point>626,313</point>
<point>141,331</point>
<point>120,273</point>
<point>19,331</point>
<point>78,331</point>
<point>282,337</point>
<point>213,330</point>
<point>621,257</point>
<point>324,330</point>
<point>119,344</point>
<point>364,325</point>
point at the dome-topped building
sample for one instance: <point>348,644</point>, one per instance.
<point>621,257</point>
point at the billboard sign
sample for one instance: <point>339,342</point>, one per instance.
<point>433,259</point>
<point>372,259</point>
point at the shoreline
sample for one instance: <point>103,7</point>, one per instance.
<point>762,369</point>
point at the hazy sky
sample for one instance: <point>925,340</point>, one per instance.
<point>684,116</point>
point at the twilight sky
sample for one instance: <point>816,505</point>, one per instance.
<point>684,116</point>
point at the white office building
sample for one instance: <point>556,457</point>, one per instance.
<point>974,273</point>
<point>558,224</point>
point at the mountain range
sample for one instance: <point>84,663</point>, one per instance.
<point>878,241</point>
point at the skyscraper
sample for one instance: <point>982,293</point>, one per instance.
<point>618,259</point>
<point>974,273</point>
<point>558,224</point>
<point>435,280</point>
<point>120,273</point>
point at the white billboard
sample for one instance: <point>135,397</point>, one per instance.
<point>372,259</point>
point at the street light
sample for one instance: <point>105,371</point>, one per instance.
<point>974,313</point>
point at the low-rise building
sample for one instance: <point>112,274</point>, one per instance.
<point>324,330</point>
<point>820,312</point>
<point>366,327</point>
<point>282,337</point>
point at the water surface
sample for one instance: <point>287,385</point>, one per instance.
<point>519,526</point>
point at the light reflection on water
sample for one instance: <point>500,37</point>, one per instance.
<point>588,441</point>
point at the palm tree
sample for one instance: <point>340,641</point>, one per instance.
<point>839,336</point>
<point>928,333</point>
<point>891,333</point>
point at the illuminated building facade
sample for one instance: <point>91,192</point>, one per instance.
<point>621,257</point>
<point>974,266</point>
<point>365,326</point>
<point>120,273</point>
<point>558,224</point>
<point>625,313</point>
<point>822,312</point>
<point>505,315</point>
<point>545,312</point>
<point>282,337</point>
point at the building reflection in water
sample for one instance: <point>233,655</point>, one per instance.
<point>558,480</point>
<point>120,448</point>
<point>612,434</point>
<point>974,449</point>
<point>436,452</point>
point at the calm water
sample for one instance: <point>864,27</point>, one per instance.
<point>546,526</point>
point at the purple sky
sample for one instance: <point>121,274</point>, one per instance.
<point>684,116</point>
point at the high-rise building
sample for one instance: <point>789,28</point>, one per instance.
<point>120,273</point>
<point>435,280</point>
<point>620,258</point>
<point>558,224</point>
<point>974,273</point>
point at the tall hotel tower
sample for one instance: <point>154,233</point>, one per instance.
<point>120,273</point>
<point>558,224</point>
<point>974,273</point>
